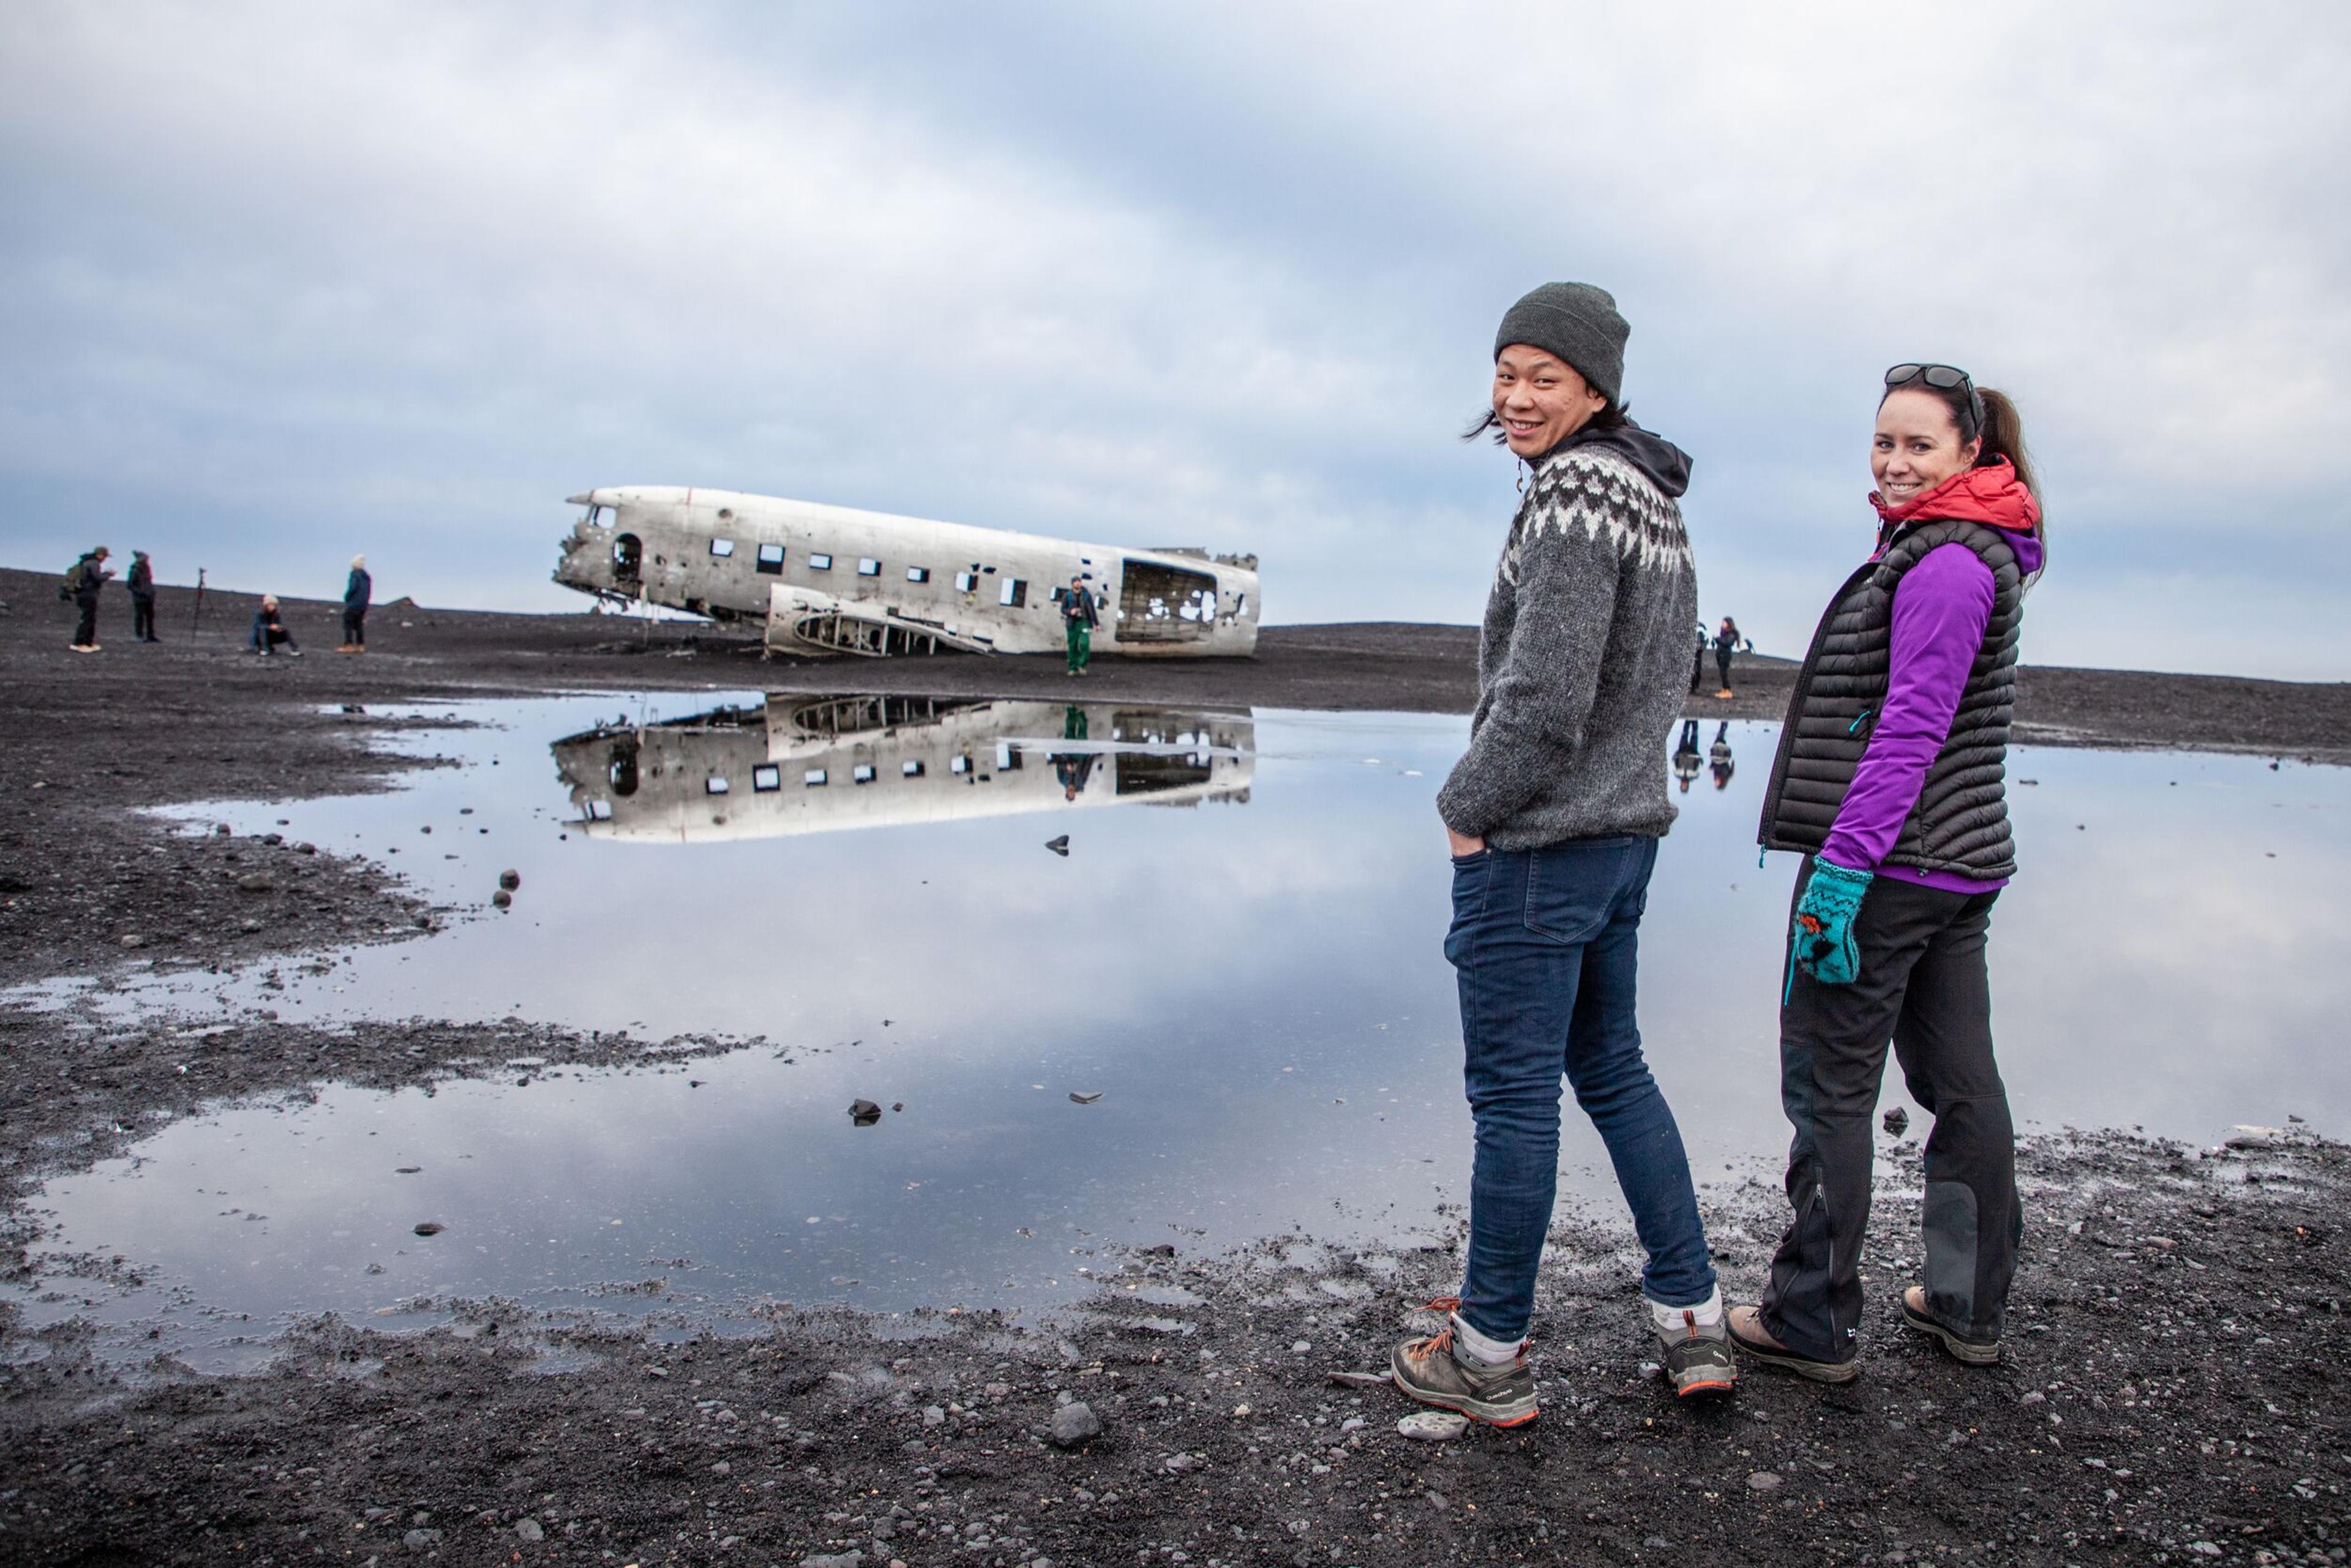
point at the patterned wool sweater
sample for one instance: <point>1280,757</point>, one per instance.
<point>1585,655</point>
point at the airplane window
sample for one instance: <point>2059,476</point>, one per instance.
<point>820,561</point>
<point>966,581</point>
<point>919,574</point>
<point>722,547</point>
<point>771,559</point>
<point>911,770</point>
<point>868,567</point>
<point>813,778</point>
<point>862,774</point>
<point>714,785</point>
<point>767,777</point>
<point>959,765</point>
<point>1015,592</point>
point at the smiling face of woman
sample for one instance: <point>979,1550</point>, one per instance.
<point>1916,445</point>
<point>1540,399</point>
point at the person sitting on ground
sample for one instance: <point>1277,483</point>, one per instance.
<point>268,630</point>
<point>1726,644</point>
<point>356,593</point>
<point>1553,815</point>
<point>82,583</point>
<point>1079,618</point>
<point>141,584</point>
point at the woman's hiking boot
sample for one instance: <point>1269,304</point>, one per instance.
<point>1432,1372</point>
<point>1969,1351</point>
<point>1697,1358</point>
<point>1746,1332</point>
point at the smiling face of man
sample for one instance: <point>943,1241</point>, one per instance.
<point>1539,400</point>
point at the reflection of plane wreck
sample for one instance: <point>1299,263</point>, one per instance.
<point>810,765</point>
<point>831,580</point>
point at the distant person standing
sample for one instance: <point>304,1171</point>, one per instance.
<point>1553,815</point>
<point>355,607</point>
<point>1726,644</point>
<point>1698,663</point>
<point>82,582</point>
<point>141,584</point>
<point>1079,619</point>
<point>269,629</point>
<point>1718,757</point>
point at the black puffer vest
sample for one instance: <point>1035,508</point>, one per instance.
<point>1960,822</point>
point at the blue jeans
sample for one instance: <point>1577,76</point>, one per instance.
<point>1544,941</point>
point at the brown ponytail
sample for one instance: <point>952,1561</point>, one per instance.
<point>2003,436</point>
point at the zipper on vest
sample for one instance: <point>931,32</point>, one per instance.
<point>1861,721</point>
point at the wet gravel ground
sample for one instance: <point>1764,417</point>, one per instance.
<point>2172,1391</point>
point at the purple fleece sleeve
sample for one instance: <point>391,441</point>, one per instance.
<point>1940,609</point>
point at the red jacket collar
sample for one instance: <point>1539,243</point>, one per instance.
<point>1992,494</point>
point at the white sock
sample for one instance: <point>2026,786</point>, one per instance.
<point>1475,1349</point>
<point>1705,1314</point>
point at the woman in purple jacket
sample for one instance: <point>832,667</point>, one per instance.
<point>1889,780</point>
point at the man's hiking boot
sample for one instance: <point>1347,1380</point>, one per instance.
<point>1746,1332</point>
<point>1697,1361</point>
<point>1970,1352</point>
<point>1427,1370</point>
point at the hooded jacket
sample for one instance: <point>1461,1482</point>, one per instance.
<point>1893,758</point>
<point>1582,661</point>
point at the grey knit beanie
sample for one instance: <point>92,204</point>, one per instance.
<point>1576,321</point>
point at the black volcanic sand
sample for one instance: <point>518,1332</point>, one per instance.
<point>2169,1392</point>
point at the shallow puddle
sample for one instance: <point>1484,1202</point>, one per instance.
<point>1238,953</point>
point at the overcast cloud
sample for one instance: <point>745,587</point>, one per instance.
<point>288,282</point>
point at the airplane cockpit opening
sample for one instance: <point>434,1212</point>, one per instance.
<point>916,587</point>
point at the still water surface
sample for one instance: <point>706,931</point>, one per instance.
<point>1240,952</point>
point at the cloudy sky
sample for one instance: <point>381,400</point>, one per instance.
<point>285,282</point>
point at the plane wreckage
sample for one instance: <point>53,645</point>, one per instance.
<point>822,764</point>
<point>831,580</point>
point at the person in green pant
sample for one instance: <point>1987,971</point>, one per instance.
<point>1079,619</point>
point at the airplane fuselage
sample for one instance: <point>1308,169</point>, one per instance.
<point>824,579</point>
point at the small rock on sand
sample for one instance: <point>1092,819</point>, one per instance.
<point>1075,1423</point>
<point>1764,1480</point>
<point>1433,1426</point>
<point>529,1530</point>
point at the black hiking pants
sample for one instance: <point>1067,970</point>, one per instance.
<point>354,626</point>
<point>86,628</point>
<point>1923,985</point>
<point>142,617</point>
<point>1723,655</point>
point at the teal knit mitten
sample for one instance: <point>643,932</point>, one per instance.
<point>1823,935</point>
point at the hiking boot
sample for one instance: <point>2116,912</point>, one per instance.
<point>1427,1370</point>
<point>1698,1360</point>
<point>1969,1351</point>
<point>1746,1332</point>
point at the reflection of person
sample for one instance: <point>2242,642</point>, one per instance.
<point>1554,813</point>
<point>88,576</point>
<point>1718,756</point>
<point>357,590</point>
<point>1906,846</point>
<point>1073,768</point>
<point>1726,644</point>
<point>140,583</point>
<point>1686,754</point>
<point>269,629</point>
<point>1079,619</point>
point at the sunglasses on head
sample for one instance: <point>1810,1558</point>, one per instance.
<point>1943,378</point>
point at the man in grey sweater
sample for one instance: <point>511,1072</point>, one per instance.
<point>1554,814</point>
